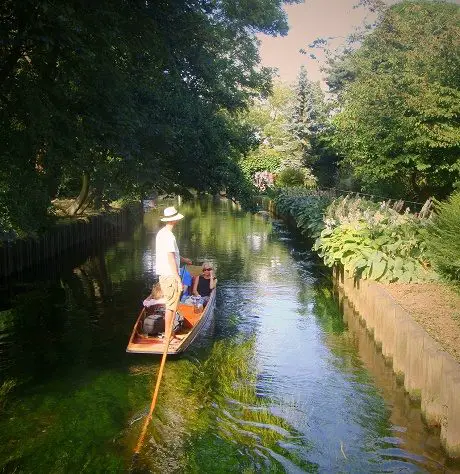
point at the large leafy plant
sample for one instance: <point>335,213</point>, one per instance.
<point>306,207</point>
<point>371,240</point>
<point>374,241</point>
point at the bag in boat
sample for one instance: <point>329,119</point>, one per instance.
<point>155,323</point>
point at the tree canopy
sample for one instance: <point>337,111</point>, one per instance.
<point>310,123</point>
<point>269,118</point>
<point>400,102</point>
<point>134,95</point>
<point>290,126</point>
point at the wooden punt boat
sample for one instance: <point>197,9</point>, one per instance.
<point>195,321</point>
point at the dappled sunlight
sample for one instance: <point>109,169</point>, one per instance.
<point>278,383</point>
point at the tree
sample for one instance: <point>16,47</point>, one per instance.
<point>310,123</point>
<point>131,96</point>
<point>275,146</point>
<point>399,124</point>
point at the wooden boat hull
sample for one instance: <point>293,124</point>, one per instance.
<point>194,324</point>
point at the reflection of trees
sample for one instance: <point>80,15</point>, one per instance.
<point>56,324</point>
<point>399,410</point>
<point>365,406</point>
<point>355,355</point>
<point>219,231</point>
<point>124,260</point>
<point>325,307</point>
<point>49,329</point>
<point>56,335</point>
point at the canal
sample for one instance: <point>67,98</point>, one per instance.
<point>279,383</point>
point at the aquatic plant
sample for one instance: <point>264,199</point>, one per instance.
<point>5,388</point>
<point>225,383</point>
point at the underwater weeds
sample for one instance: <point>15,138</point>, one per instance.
<point>5,389</point>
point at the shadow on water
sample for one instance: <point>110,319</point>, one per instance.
<point>283,381</point>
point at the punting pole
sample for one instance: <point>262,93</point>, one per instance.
<point>157,385</point>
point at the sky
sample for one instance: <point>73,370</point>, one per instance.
<point>308,21</point>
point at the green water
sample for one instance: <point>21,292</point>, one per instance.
<point>278,383</point>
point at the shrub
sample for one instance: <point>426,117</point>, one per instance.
<point>443,238</point>
<point>384,253</point>
<point>371,240</point>
<point>374,241</point>
<point>306,207</point>
<point>294,177</point>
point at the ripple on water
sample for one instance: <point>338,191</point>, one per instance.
<point>278,384</point>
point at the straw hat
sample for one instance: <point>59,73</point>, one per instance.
<point>171,214</point>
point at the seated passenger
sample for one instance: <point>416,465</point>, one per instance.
<point>204,284</point>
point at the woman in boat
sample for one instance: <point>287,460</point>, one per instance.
<point>204,284</point>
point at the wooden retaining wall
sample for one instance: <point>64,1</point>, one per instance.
<point>17,255</point>
<point>429,374</point>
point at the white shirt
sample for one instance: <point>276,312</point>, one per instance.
<point>165,242</point>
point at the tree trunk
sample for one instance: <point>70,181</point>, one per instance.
<point>89,200</point>
<point>82,197</point>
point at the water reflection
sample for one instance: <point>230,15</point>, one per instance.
<point>284,381</point>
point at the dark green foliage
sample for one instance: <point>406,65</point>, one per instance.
<point>340,71</point>
<point>275,146</point>
<point>139,96</point>
<point>289,178</point>
<point>443,238</point>
<point>292,177</point>
<point>23,199</point>
<point>399,123</point>
<point>310,123</point>
<point>306,206</point>
<point>292,128</point>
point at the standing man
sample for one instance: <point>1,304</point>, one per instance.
<point>168,263</point>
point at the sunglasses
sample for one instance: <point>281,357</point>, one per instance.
<point>207,269</point>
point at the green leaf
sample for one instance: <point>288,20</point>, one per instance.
<point>378,269</point>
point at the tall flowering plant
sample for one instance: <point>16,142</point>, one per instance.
<point>374,241</point>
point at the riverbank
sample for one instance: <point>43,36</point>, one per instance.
<point>436,307</point>
<point>417,328</point>
<point>430,375</point>
<point>66,234</point>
